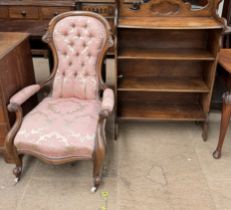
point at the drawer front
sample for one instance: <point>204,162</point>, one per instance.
<point>50,12</point>
<point>102,9</point>
<point>3,12</point>
<point>24,12</point>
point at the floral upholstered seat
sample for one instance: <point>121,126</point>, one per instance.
<point>69,124</point>
<point>60,128</point>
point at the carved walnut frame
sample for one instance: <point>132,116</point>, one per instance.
<point>100,143</point>
<point>176,8</point>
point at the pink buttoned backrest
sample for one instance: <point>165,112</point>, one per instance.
<point>79,40</point>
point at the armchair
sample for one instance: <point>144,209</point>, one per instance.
<point>69,124</point>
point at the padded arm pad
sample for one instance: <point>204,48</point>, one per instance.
<point>108,100</point>
<point>24,94</point>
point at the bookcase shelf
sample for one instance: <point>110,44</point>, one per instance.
<point>165,54</point>
<point>152,111</point>
<point>158,84</point>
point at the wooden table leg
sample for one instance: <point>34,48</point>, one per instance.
<point>225,117</point>
<point>205,126</point>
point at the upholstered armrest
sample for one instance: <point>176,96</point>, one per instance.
<point>20,97</point>
<point>108,100</point>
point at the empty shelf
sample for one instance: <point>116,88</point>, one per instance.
<point>165,54</point>
<point>191,85</point>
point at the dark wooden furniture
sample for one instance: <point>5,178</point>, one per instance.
<point>222,77</point>
<point>225,62</point>
<point>16,72</point>
<point>166,60</point>
<point>32,16</point>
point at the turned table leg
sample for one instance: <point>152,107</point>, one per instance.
<point>225,117</point>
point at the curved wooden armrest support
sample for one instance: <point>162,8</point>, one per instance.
<point>13,107</point>
<point>227,30</point>
<point>9,141</point>
<point>104,114</point>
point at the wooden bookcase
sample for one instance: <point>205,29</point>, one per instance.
<point>166,60</point>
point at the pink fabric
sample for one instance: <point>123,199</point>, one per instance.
<point>108,100</point>
<point>78,40</point>
<point>60,128</point>
<point>24,94</point>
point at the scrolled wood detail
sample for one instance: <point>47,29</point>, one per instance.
<point>165,8</point>
<point>110,42</point>
<point>47,37</point>
<point>178,8</point>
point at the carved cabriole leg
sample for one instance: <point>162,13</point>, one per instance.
<point>11,150</point>
<point>18,169</point>
<point>99,154</point>
<point>225,117</point>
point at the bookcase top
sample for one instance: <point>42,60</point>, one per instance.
<point>170,14</point>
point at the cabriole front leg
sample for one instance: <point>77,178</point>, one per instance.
<point>11,150</point>
<point>17,171</point>
<point>225,118</point>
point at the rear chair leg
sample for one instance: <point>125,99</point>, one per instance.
<point>116,131</point>
<point>205,130</point>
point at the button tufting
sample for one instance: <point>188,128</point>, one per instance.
<point>65,53</point>
<point>70,63</point>
<point>77,53</point>
<point>85,25</point>
<point>65,33</point>
<point>78,35</point>
<point>86,74</point>
<point>89,55</point>
<point>90,35</point>
<point>84,44</point>
<point>71,44</point>
<point>75,74</point>
<point>82,64</point>
<point>73,25</point>
<point>63,73</point>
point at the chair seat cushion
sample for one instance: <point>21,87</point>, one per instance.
<point>60,128</point>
